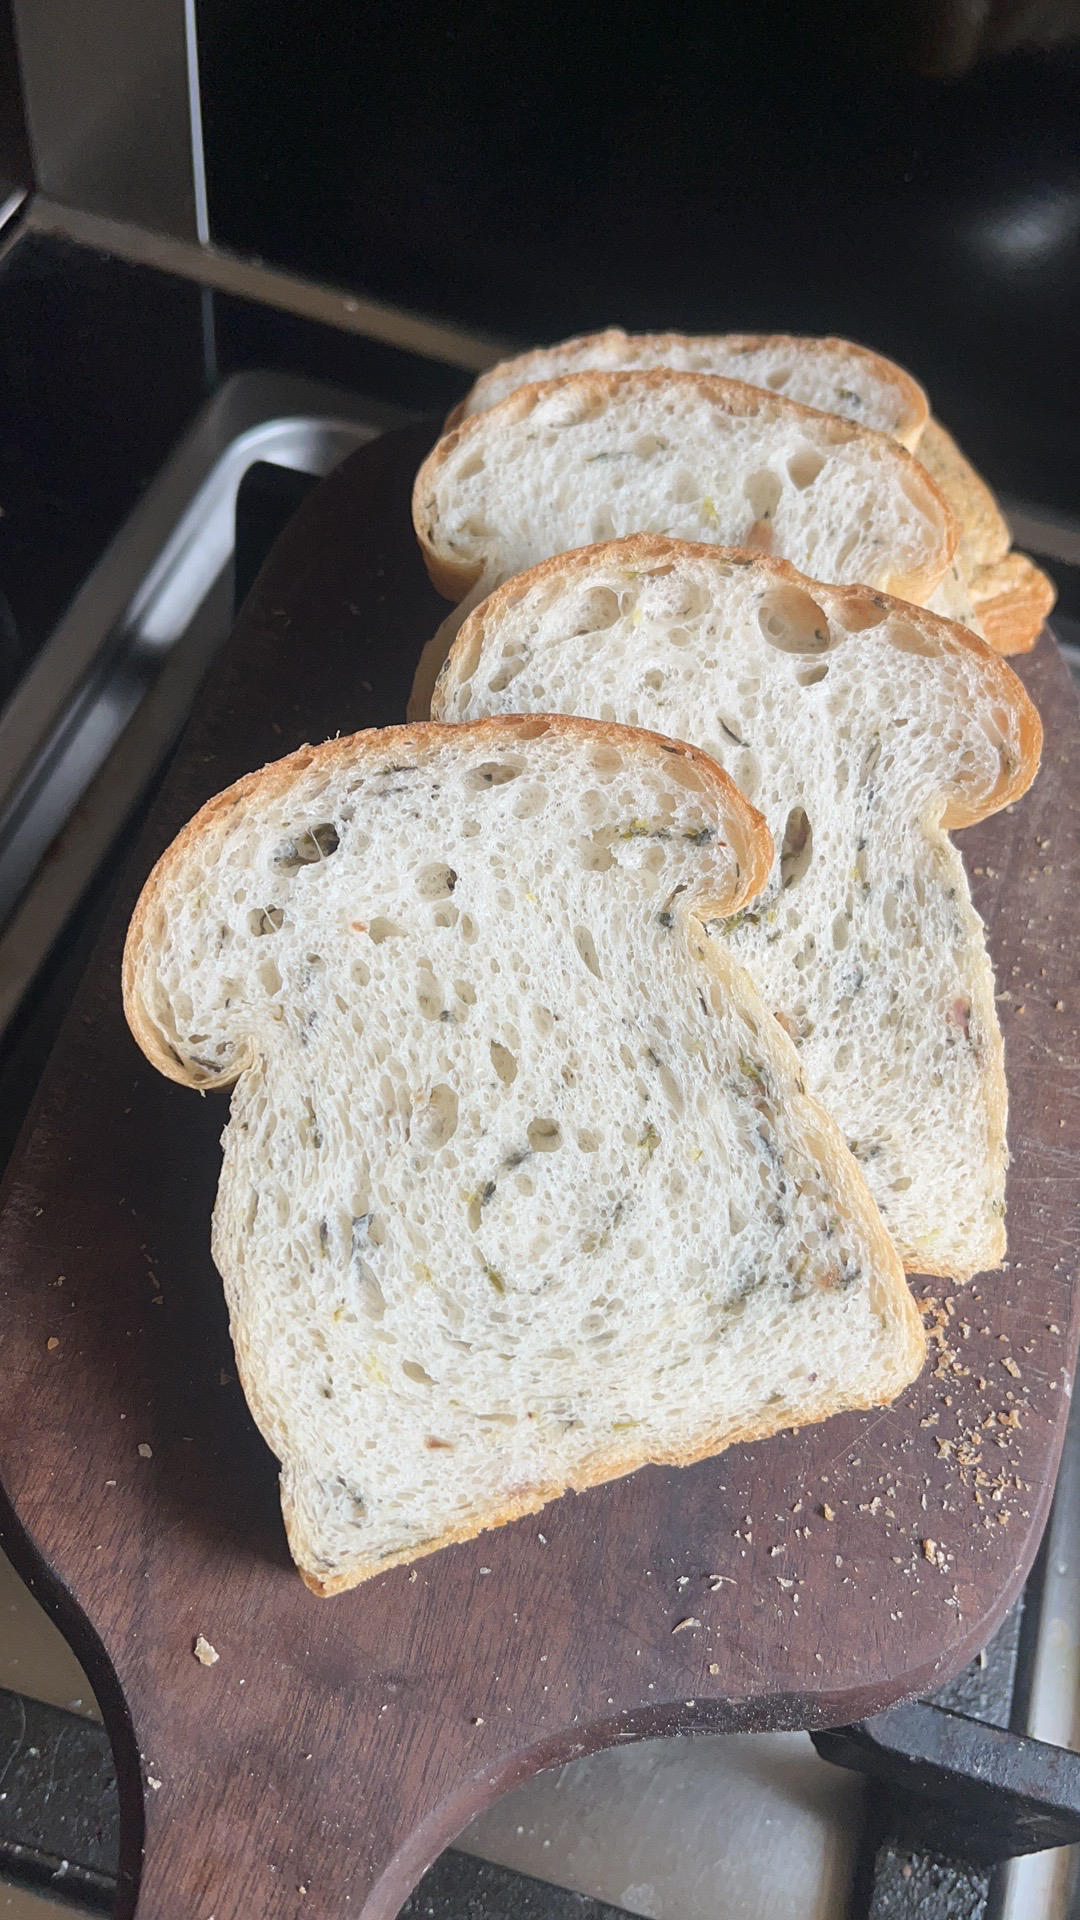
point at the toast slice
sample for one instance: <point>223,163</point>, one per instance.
<point>1007,606</point>
<point>521,1188</point>
<point>862,728</point>
<point>596,455</point>
<point>836,376</point>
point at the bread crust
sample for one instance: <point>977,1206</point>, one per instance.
<point>714,1440</point>
<point>984,535</point>
<point>651,552</point>
<point>1010,596</point>
<point>1011,605</point>
<point>1012,600</point>
<point>454,578</point>
<point>741,824</point>
<point>545,363</point>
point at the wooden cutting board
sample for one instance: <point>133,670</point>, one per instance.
<point>336,1746</point>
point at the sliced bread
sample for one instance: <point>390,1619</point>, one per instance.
<point>596,455</point>
<point>1002,595</point>
<point>521,1188</point>
<point>1006,600</point>
<point>836,376</point>
<point>862,728</point>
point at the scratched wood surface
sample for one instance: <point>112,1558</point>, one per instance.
<point>336,1746</point>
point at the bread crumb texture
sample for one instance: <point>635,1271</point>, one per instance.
<point>861,727</point>
<point>521,1188</point>
<point>595,455</point>
<point>836,376</point>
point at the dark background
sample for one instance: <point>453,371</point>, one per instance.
<point>909,175</point>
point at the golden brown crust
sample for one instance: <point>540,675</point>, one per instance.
<point>542,363</point>
<point>984,531</point>
<point>614,1467</point>
<point>1013,600</point>
<point>734,397</point>
<point>1010,596</point>
<point>1012,606</point>
<point>650,552</point>
<point>742,826</point>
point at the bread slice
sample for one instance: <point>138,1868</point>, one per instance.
<point>596,455</point>
<point>521,1188</point>
<point>863,728</point>
<point>836,376</point>
<point>1006,605</point>
<point>1002,595</point>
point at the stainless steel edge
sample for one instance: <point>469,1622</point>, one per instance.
<point>106,94</point>
<point>227,272</point>
<point>251,417</point>
<point>84,842</point>
<point>1046,1883</point>
<point>11,199</point>
<point>112,689</point>
<point>1044,531</point>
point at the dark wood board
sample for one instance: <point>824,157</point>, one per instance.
<point>337,1745</point>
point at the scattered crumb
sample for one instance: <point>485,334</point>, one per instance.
<point>690,1621</point>
<point>151,1782</point>
<point>52,1343</point>
<point>1010,1366</point>
<point>205,1654</point>
<point>146,1452</point>
<point>714,1666</point>
<point>826,1511</point>
<point>478,1720</point>
<point>412,1575</point>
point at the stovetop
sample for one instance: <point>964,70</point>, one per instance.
<point>106,370</point>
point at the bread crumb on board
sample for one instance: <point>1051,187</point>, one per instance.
<point>205,1654</point>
